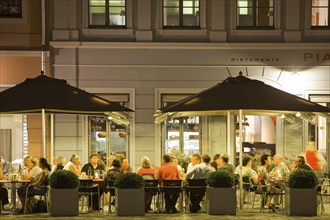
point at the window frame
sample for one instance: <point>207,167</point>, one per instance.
<point>318,27</point>
<point>18,15</point>
<point>254,15</point>
<point>181,26</point>
<point>107,20</point>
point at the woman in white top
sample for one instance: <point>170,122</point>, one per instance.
<point>73,165</point>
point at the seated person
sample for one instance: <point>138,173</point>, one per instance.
<point>248,172</point>
<point>60,163</point>
<point>148,173</point>
<point>279,172</point>
<point>125,167</point>
<point>222,162</point>
<point>168,171</point>
<point>109,159</point>
<point>175,162</point>
<point>3,191</point>
<point>38,176</point>
<point>265,161</point>
<point>89,169</point>
<point>114,172</point>
<point>73,165</point>
<point>300,163</point>
<point>200,171</point>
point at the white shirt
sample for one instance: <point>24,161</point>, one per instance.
<point>67,165</point>
<point>190,167</point>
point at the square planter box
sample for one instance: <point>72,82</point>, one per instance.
<point>64,202</point>
<point>221,201</point>
<point>130,202</point>
<point>301,202</point>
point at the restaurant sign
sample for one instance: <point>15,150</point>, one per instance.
<point>280,57</point>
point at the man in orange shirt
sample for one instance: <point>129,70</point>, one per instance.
<point>169,172</point>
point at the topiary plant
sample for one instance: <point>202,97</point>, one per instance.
<point>63,179</point>
<point>221,179</point>
<point>302,178</point>
<point>129,181</point>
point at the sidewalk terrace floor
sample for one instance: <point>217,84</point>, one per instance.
<point>241,214</point>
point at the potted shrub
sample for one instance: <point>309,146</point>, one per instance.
<point>64,193</point>
<point>129,192</point>
<point>301,193</point>
<point>221,185</point>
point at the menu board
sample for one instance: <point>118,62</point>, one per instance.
<point>293,139</point>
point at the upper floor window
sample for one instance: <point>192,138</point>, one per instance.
<point>181,13</point>
<point>107,13</point>
<point>320,13</point>
<point>255,13</point>
<point>10,8</point>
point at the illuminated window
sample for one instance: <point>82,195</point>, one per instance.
<point>10,8</point>
<point>320,13</point>
<point>255,13</point>
<point>181,13</point>
<point>108,13</point>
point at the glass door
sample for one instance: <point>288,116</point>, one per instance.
<point>107,137</point>
<point>182,135</point>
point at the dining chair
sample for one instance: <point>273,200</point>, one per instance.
<point>42,191</point>
<point>87,188</point>
<point>323,191</point>
<point>194,187</point>
<point>260,189</point>
<point>151,189</point>
<point>111,189</point>
<point>173,187</point>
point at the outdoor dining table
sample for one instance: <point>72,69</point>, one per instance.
<point>13,186</point>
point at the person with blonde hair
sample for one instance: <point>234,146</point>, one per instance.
<point>146,170</point>
<point>34,175</point>
<point>60,163</point>
<point>148,173</point>
<point>73,165</point>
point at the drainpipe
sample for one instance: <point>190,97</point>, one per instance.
<point>43,70</point>
<point>43,35</point>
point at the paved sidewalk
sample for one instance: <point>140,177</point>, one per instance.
<point>243,214</point>
<point>199,216</point>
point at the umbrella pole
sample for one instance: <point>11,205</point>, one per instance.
<point>43,121</point>
<point>229,149</point>
<point>52,138</point>
<point>240,159</point>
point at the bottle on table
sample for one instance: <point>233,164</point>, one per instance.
<point>20,172</point>
<point>89,173</point>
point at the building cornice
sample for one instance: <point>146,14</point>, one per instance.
<point>193,46</point>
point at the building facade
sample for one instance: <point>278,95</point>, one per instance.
<point>149,53</point>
